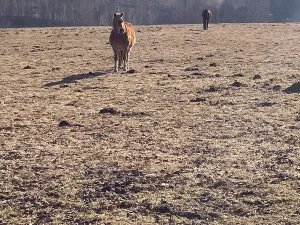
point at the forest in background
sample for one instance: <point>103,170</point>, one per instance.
<point>41,13</point>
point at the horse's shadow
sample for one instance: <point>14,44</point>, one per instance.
<point>74,78</point>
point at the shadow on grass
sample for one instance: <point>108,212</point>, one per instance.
<point>76,77</point>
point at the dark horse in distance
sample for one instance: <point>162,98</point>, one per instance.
<point>206,14</point>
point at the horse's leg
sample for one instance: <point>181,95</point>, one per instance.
<point>120,56</point>
<point>126,59</point>
<point>116,61</point>
<point>205,19</point>
<point>207,22</point>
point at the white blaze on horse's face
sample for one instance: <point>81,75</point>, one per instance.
<point>118,23</point>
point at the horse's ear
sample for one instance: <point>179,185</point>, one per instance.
<point>115,14</point>
<point>122,14</point>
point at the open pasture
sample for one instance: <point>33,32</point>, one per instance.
<point>190,137</point>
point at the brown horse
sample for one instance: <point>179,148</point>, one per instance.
<point>206,14</point>
<point>122,39</point>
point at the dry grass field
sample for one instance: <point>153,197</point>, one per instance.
<point>192,136</point>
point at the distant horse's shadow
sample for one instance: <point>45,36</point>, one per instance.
<point>76,77</point>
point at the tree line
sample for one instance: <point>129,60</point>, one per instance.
<point>30,13</point>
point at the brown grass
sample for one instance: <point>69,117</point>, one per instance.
<point>229,156</point>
